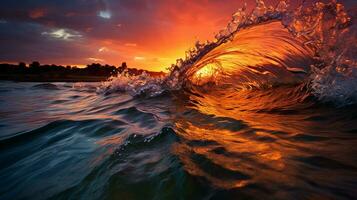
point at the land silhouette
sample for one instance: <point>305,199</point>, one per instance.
<point>35,72</point>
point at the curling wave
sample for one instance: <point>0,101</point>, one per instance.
<point>313,45</point>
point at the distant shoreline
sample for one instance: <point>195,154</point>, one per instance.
<point>40,78</point>
<point>95,72</point>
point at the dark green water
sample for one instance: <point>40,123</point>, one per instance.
<point>65,141</point>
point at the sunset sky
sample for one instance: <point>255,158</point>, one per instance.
<point>146,34</point>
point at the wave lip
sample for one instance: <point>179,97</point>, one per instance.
<point>262,54</point>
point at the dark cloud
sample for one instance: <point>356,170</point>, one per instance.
<point>24,41</point>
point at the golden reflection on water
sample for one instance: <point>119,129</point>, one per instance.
<point>240,154</point>
<point>236,144</point>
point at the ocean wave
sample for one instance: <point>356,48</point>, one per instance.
<point>312,44</point>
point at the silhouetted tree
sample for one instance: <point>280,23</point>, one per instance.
<point>22,65</point>
<point>35,64</point>
<point>123,67</point>
<point>34,67</point>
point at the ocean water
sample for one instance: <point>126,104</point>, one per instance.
<point>66,141</point>
<point>267,110</point>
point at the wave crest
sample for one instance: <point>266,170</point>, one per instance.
<point>313,44</point>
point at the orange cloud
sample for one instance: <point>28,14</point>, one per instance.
<point>103,49</point>
<point>95,59</point>
<point>37,13</point>
<point>130,44</point>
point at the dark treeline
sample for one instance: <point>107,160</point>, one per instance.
<point>92,72</point>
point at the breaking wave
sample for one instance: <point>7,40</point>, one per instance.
<point>311,45</point>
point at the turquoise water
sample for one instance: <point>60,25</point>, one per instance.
<point>66,141</point>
